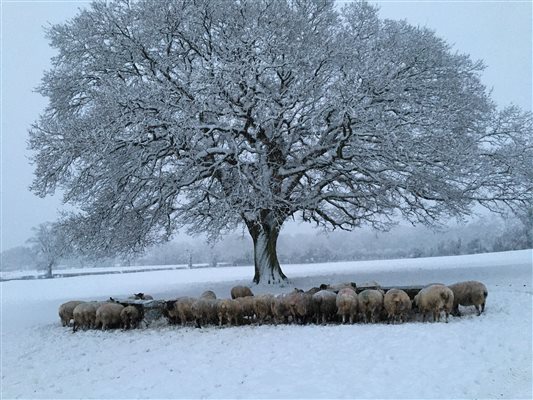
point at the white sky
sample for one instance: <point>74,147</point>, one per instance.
<point>499,32</point>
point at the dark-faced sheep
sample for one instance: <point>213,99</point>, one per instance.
<point>108,316</point>
<point>130,317</point>
<point>141,296</point>
<point>313,290</point>
<point>370,304</point>
<point>434,299</point>
<point>469,293</point>
<point>397,305</point>
<point>324,305</point>
<point>66,311</point>
<point>347,304</point>
<point>240,291</point>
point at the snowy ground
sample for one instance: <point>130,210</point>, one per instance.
<point>470,357</point>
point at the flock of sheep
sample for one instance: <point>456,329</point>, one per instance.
<point>327,303</point>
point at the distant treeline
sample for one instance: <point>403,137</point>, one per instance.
<point>480,236</point>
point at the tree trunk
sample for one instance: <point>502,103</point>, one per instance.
<point>49,269</point>
<point>265,236</point>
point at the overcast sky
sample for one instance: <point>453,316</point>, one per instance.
<point>497,32</point>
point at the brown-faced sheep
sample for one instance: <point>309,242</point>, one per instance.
<point>434,299</point>
<point>397,305</point>
<point>130,317</point>
<point>324,305</point>
<point>208,294</point>
<point>370,304</point>
<point>469,293</point>
<point>241,291</point>
<point>300,306</point>
<point>347,304</point>
<point>108,316</point>
<point>66,311</point>
<point>84,315</point>
<point>229,310</point>
<point>263,307</point>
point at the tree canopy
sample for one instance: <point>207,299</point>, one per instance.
<point>211,115</point>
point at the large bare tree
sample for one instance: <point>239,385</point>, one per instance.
<point>216,114</point>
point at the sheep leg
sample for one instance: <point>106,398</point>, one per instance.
<point>482,306</point>
<point>477,309</point>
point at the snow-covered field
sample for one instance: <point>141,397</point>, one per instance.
<point>470,357</point>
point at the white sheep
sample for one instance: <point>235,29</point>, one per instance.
<point>347,304</point>
<point>301,306</point>
<point>84,315</point>
<point>469,293</point>
<point>434,299</point>
<point>108,316</point>
<point>370,304</point>
<point>204,311</point>
<point>130,317</point>
<point>324,305</point>
<point>280,309</point>
<point>397,305</point>
<point>66,311</point>
<point>208,294</point>
<point>336,287</point>
<point>241,291</point>
<point>247,307</point>
<point>263,307</point>
<point>229,310</point>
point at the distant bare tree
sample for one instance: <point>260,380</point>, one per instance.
<point>50,244</point>
<point>212,115</point>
